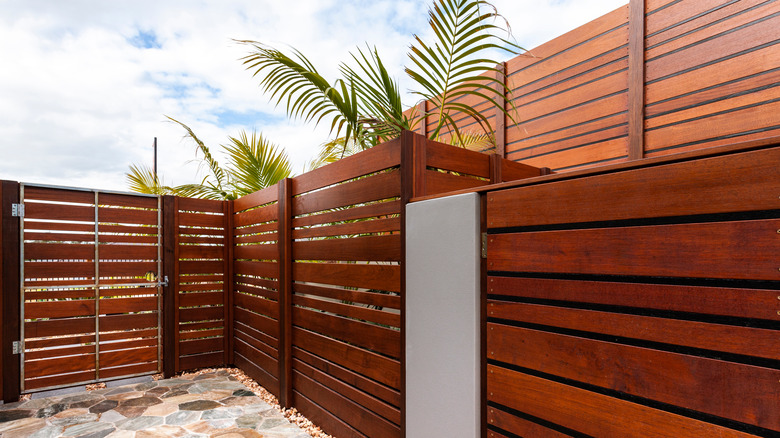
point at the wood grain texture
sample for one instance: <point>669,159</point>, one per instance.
<point>701,384</point>
<point>741,182</point>
<point>739,303</point>
<point>591,413</point>
<point>732,250</point>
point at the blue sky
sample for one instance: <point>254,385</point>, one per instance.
<point>85,85</point>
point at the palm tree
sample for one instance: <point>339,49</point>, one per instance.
<point>364,106</point>
<point>254,163</point>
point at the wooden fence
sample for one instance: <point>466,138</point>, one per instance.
<point>299,284</point>
<point>318,268</point>
<point>637,300</point>
<point>652,78</point>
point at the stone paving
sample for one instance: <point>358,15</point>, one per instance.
<point>205,405</point>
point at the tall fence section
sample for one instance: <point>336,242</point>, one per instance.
<point>640,302</point>
<point>651,78</point>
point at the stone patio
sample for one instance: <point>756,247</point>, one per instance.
<point>205,405</point>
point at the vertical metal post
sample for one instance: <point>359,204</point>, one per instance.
<point>155,157</point>
<point>21,290</point>
<point>159,270</point>
<point>97,289</point>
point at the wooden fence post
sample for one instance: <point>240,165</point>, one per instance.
<point>170,210</point>
<point>285,292</point>
<point>10,285</point>
<point>636,79</point>
<point>227,283</point>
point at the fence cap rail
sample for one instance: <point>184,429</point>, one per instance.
<point>85,189</point>
<point>746,146</point>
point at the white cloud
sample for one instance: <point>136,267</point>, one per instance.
<point>81,98</point>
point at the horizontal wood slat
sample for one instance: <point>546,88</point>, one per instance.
<point>708,250</point>
<point>589,412</point>
<point>741,182</point>
<point>673,378</point>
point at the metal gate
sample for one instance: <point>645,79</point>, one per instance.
<point>90,291</point>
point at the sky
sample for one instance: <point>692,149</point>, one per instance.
<point>86,85</point>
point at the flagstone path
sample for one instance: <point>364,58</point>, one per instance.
<point>205,405</point>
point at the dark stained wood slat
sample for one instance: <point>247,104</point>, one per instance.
<point>257,216</point>
<point>369,298</point>
<point>368,336</point>
<point>371,365</point>
<point>741,66</point>
<point>350,311</point>
<point>259,322</point>
<point>60,212</point>
<point>201,360</point>
<point>59,327</point>
<point>202,299</point>
<point>259,269</point>
<point>734,123</point>
<point>59,251</point>
<point>127,322</point>
<point>371,248</point>
<point>51,353</point>
<point>439,182</point>
<point>741,182</point>
<point>383,156</point>
<point>740,392</point>
<point>200,205</point>
<point>127,344</point>
<point>259,357</point>
<point>257,252</point>
<point>330,423</point>
<point>379,209</point>
<point>126,216</point>
<point>260,375</point>
<point>187,220</point>
<point>196,346</point>
<point>129,356</point>
<point>716,337</point>
<point>255,304</point>
<point>58,195</point>
<point>128,370</point>
<point>200,267</point>
<point>256,340</point>
<point>385,225</point>
<point>192,314</point>
<point>731,250</point>
<point>61,365</point>
<point>591,413</point>
<point>343,374</point>
<point>372,188</point>
<point>201,252</point>
<point>357,397</point>
<point>59,309</point>
<point>63,379</point>
<point>59,269</point>
<point>708,51</point>
<point>445,157</point>
<point>126,305</point>
<point>127,200</point>
<point>354,414</point>
<point>381,277</point>
<point>504,420</point>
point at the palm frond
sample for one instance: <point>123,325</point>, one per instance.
<point>306,94</point>
<point>454,66</point>
<point>332,151</point>
<point>142,179</point>
<point>221,176</point>
<point>255,163</point>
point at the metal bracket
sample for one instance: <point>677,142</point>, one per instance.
<point>17,210</point>
<point>16,347</point>
<point>164,283</point>
<point>484,245</point>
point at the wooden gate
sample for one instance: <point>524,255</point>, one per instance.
<point>90,292</point>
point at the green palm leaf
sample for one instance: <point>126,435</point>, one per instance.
<point>306,94</point>
<point>454,67</point>
<point>142,179</point>
<point>255,163</point>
